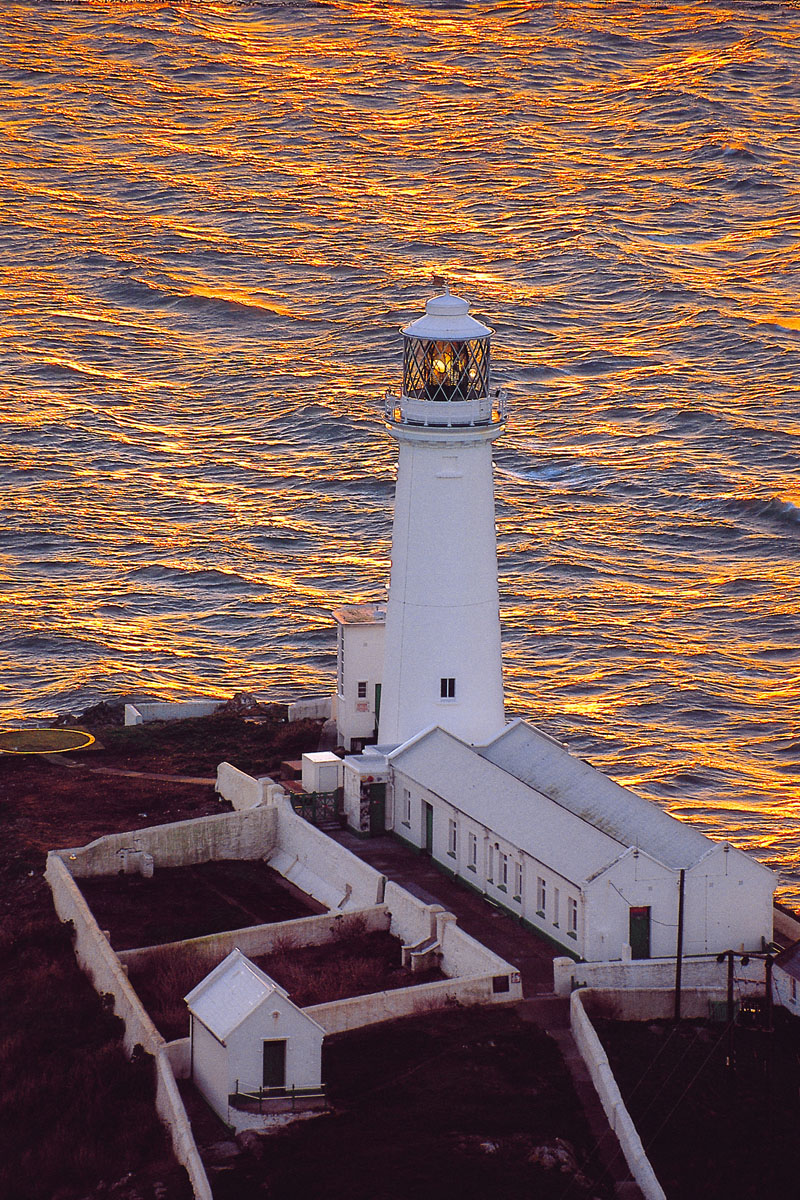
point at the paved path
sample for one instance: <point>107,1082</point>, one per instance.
<point>476,915</point>
<point>531,955</point>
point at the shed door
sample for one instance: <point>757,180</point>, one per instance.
<point>640,931</point>
<point>274,1064</point>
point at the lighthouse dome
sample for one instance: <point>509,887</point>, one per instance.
<point>447,317</point>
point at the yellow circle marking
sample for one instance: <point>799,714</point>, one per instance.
<point>43,741</point>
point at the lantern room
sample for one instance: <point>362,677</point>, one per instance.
<point>446,361</point>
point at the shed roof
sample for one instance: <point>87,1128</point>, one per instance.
<point>535,759</point>
<point>231,992</point>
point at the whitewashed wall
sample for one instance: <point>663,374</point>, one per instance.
<point>607,1089</point>
<point>321,867</point>
<point>178,710</point>
<point>341,1015</point>
<point>247,835</point>
<point>255,940</point>
<point>554,924</point>
<point>95,956</point>
<point>651,973</point>
<point>241,790</point>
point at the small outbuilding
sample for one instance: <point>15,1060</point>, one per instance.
<point>786,979</point>
<point>249,1040</point>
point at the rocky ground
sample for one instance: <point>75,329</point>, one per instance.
<point>456,1105</point>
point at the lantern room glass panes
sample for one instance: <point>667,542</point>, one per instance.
<point>435,370</point>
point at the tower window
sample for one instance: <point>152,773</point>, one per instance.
<point>362,690</point>
<point>448,689</point>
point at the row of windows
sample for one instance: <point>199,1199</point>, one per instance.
<point>502,870</point>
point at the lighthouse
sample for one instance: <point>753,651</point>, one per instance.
<point>442,654</point>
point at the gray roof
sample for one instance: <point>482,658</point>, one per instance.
<point>545,765</point>
<point>511,809</point>
<point>789,960</point>
<point>230,993</point>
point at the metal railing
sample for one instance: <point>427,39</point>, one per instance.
<point>491,409</point>
<point>252,1096</point>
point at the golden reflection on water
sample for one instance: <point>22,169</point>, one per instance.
<point>233,210</point>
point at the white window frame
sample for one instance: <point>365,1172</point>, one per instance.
<point>541,896</point>
<point>556,905</point>
<point>406,817</point>
<point>519,879</point>
<point>572,909</point>
<point>452,838</point>
<point>503,872</point>
<point>472,851</point>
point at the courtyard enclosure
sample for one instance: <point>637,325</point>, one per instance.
<point>276,834</point>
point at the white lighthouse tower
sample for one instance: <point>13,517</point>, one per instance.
<point>442,657</point>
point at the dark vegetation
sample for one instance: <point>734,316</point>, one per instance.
<point>353,965</point>
<point>74,1112</point>
<point>77,1118</point>
<point>457,1105</point>
<point>699,1119</point>
<point>187,902</point>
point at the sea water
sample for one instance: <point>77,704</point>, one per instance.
<point>216,216</point>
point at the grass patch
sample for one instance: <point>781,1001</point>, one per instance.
<point>187,902</point>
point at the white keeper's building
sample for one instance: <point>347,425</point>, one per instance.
<point>503,807</point>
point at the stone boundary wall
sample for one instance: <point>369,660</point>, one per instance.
<point>316,708</point>
<point>321,867</point>
<point>179,1054</point>
<point>413,921</point>
<point>651,973</point>
<point>240,789</point>
<point>246,835</point>
<point>253,940</point>
<point>98,960</point>
<point>619,1118</point>
<point>342,1015</point>
<point>463,955</point>
<point>138,714</point>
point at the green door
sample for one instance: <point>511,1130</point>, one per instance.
<point>274,1064</point>
<point>377,809</point>
<point>428,813</point>
<point>640,931</point>
<point>377,703</point>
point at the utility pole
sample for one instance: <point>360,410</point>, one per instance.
<point>768,961</point>
<point>679,947</point>
<point>731,1064</point>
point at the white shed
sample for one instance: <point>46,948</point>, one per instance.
<point>248,1036</point>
